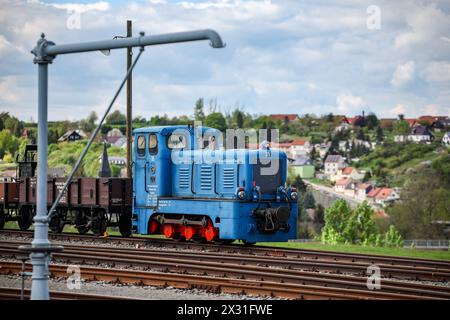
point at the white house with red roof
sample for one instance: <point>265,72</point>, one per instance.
<point>382,196</point>
<point>347,172</point>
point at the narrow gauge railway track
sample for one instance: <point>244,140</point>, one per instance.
<point>159,259</point>
<point>303,254</point>
<point>236,267</point>
<point>14,294</point>
<point>215,284</point>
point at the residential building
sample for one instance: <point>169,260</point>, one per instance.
<point>299,147</point>
<point>322,149</point>
<point>382,196</point>
<point>294,149</point>
<point>285,117</point>
<point>387,123</point>
<point>362,189</point>
<point>333,163</point>
<point>348,172</point>
<point>72,135</point>
<point>115,138</point>
<point>446,139</point>
<point>418,134</point>
<point>343,184</point>
<point>303,167</point>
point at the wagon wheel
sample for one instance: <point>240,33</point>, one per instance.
<point>25,218</point>
<point>99,225</point>
<point>125,225</point>
<point>2,218</point>
<point>56,224</point>
<point>81,223</point>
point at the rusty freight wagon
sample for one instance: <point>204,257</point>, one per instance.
<point>9,201</point>
<point>88,203</point>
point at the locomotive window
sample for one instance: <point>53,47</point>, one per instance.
<point>153,144</point>
<point>141,145</point>
<point>176,141</point>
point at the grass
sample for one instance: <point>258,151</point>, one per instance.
<point>399,252</point>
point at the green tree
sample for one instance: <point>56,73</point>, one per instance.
<point>116,118</point>
<point>401,127</point>
<point>298,183</point>
<point>8,143</point>
<point>372,121</point>
<point>336,217</point>
<point>308,201</point>
<point>393,238</point>
<point>199,114</point>
<point>379,134</point>
<point>216,120</point>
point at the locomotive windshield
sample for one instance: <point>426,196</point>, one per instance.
<point>141,145</point>
<point>176,141</point>
<point>153,144</point>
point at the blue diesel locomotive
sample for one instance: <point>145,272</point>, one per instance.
<point>187,187</point>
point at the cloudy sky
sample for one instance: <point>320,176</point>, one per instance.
<point>282,56</point>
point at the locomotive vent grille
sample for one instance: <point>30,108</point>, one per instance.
<point>184,178</point>
<point>228,178</point>
<point>205,177</point>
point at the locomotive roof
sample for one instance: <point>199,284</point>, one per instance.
<point>168,128</point>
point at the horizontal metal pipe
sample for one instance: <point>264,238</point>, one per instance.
<point>213,36</point>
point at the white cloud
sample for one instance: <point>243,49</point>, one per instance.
<point>403,74</point>
<point>437,71</point>
<point>398,109</point>
<point>349,104</point>
<point>82,7</point>
<point>295,56</point>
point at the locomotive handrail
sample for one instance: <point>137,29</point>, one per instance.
<point>215,179</point>
<point>145,176</point>
<point>192,178</point>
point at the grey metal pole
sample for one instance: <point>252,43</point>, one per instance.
<point>207,34</point>
<point>129,100</point>
<point>39,287</point>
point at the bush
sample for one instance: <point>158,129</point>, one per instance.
<point>8,158</point>
<point>344,225</point>
<point>393,238</point>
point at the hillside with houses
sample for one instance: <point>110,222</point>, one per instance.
<point>364,158</point>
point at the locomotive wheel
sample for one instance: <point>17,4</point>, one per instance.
<point>2,219</point>
<point>25,219</point>
<point>125,225</point>
<point>56,224</point>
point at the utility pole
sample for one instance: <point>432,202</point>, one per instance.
<point>129,100</point>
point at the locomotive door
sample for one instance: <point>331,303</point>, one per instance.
<point>141,166</point>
